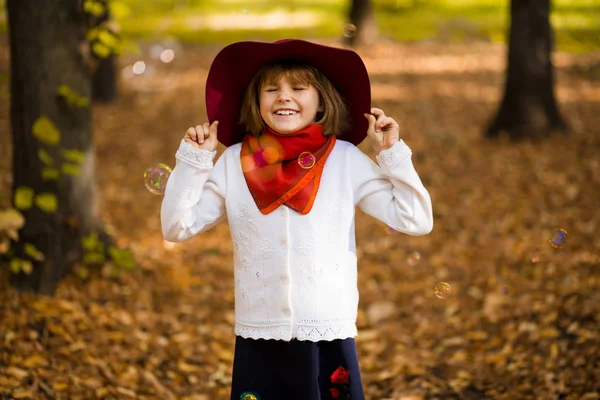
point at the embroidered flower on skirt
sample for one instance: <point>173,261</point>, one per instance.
<point>249,396</point>
<point>340,378</point>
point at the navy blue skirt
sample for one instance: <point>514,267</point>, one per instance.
<point>278,370</point>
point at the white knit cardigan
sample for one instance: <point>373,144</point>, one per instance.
<point>295,275</point>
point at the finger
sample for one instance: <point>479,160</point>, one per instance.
<point>387,122</point>
<point>191,132</point>
<point>206,130</point>
<point>379,122</point>
<point>380,116</point>
<point>200,133</point>
<point>371,120</point>
<point>377,111</point>
<point>213,128</point>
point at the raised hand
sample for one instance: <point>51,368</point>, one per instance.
<point>383,131</point>
<point>203,136</point>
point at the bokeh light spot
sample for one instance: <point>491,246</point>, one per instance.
<point>167,55</point>
<point>270,155</point>
<point>139,67</point>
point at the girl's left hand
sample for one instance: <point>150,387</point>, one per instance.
<point>383,131</point>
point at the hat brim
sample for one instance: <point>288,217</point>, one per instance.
<point>235,65</point>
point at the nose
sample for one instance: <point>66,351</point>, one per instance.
<point>283,96</point>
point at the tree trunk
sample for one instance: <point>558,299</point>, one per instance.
<point>363,19</point>
<point>529,106</point>
<point>104,86</point>
<point>48,49</point>
<point>104,83</point>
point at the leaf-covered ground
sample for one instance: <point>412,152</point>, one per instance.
<point>522,321</point>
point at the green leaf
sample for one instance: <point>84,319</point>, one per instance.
<point>24,197</point>
<point>45,157</point>
<point>100,50</point>
<point>81,271</point>
<point>90,242</point>
<point>94,258</point>
<point>33,252</point>
<point>27,267</point>
<point>71,169</point>
<point>50,174</point>
<point>46,202</point>
<point>107,38</point>
<point>122,258</point>
<point>45,131</point>
<point>64,90</point>
<point>119,10</point>
<point>72,97</point>
<point>92,34</point>
<point>82,102</point>
<point>72,155</point>
<point>17,265</point>
<point>93,7</point>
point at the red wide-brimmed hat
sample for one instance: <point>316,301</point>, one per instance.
<point>235,65</point>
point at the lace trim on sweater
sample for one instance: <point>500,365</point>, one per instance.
<point>395,155</point>
<point>197,158</point>
<point>307,333</point>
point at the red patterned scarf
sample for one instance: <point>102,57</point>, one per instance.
<point>285,169</point>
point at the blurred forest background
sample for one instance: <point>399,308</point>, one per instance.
<point>500,301</point>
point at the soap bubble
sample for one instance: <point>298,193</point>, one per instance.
<point>559,238</point>
<point>349,30</point>
<point>413,258</point>
<point>442,290</point>
<point>249,396</point>
<point>306,160</point>
<point>156,177</point>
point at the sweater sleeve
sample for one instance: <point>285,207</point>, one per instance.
<point>195,194</point>
<point>391,192</point>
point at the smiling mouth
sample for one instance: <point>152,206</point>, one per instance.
<point>286,113</point>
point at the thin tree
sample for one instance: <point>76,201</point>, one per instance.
<point>362,29</point>
<point>53,152</point>
<point>104,82</point>
<point>528,108</point>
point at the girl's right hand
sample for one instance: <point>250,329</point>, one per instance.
<point>203,136</point>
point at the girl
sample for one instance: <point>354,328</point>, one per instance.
<point>291,113</point>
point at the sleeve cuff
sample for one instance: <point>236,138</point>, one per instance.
<point>394,156</point>
<point>197,158</point>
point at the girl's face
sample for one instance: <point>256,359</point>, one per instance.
<point>287,107</point>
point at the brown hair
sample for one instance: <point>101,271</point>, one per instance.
<point>334,116</point>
